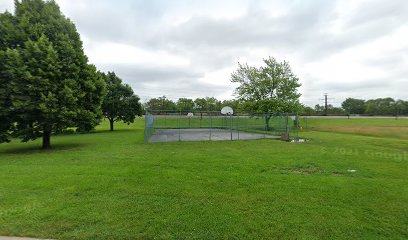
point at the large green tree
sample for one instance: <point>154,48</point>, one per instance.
<point>269,89</point>
<point>120,103</point>
<point>46,82</point>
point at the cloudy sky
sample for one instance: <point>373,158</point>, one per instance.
<point>189,48</point>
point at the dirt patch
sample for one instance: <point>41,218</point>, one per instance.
<point>304,170</point>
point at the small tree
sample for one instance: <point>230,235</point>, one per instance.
<point>120,103</point>
<point>270,88</point>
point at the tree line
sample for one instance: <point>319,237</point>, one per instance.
<point>379,106</point>
<point>205,104</point>
<point>371,107</point>
<point>47,84</point>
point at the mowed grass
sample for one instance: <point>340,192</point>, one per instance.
<point>379,127</point>
<point>109,185</point>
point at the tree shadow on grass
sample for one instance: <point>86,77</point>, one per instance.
<point>113,132</point>
<point>31,149</point>
<point>73,133</point>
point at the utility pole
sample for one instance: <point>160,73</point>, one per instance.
<point>326,105</point>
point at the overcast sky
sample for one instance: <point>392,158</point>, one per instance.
<point>187,48</point>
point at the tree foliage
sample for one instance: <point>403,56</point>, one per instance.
<point>160,103</point>
<point>185,104</point>
<point>213,104</point>
<point>120,103</point>
<point>200,104</point>
<point>331,110</point>
<point>379,106</point>
<point>46,81</point>
<point>235,104</point>
<point>270,88</point>
<point>354,106</point>
<point>205,104</point>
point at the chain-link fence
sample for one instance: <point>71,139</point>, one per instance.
<point>168,126</point>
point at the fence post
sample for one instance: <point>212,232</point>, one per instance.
<point>297,126</point>
<point>287,124</point>
<point>265,127</point>
<point>179,125</point>
<point>210,124</point>
<point>145,131</point>
<point>306,122</point>
<point>231,125</point>
<point>238,125</point>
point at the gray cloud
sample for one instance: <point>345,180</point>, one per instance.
<point>173,83</point>
<point>254,29</point>
<point>306,31</point>
<point>372,84</point>
<point>378,11</point>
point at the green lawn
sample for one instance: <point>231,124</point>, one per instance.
<point>110,185</point>
<point>379,127</point>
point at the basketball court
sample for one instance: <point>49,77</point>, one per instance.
<point>204,134</point>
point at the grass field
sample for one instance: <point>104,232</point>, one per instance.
<point>109,185</point>
<point>379,127</point>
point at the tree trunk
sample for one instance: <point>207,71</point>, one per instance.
<point>111,124</point>
<point>46,143</point>
<point>267,118</point>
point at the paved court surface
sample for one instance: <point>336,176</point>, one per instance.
<point>204,134</point>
